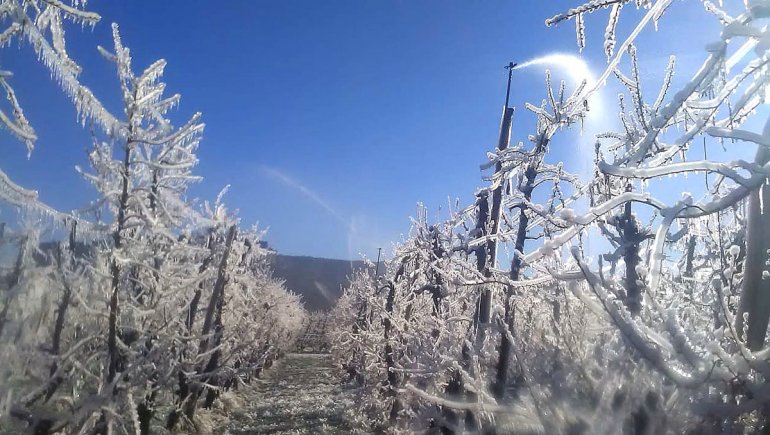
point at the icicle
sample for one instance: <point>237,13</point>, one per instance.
<point>609,33</point>
<point>580,31</point>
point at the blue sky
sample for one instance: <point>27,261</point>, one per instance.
<point>331,119</point>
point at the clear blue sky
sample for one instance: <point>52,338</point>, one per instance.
<point>330,119</point>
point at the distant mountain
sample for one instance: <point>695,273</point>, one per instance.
<point>319,280</point>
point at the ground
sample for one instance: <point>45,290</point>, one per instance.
<point>300,394</point>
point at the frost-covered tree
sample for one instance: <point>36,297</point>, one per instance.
<point>244,316</point>
<point>666,333</point>
<point>700,341</point>
<point>40,23</point>
<point>148,295</point>
<point>138,267</point>
<point>520,172</point>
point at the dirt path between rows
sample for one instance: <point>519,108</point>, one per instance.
<point>300,394</point>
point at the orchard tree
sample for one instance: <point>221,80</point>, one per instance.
<point>110,317</point>
<point>667,332</point>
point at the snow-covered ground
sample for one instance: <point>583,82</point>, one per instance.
<point>301,394</point>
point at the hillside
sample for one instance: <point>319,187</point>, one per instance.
<point>318,280</point>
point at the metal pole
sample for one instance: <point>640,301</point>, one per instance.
<point>491,221</point>
<point>510,68</point>
<point>377,268</point>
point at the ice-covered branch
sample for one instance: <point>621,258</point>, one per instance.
<point>726,169</point>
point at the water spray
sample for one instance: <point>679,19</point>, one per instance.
<point>574,66</point>
<point>577,70</point>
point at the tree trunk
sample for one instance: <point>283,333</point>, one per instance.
<point>631,239</point>
<point>503,365</point>
<point>112,338</point>
<point>13,282</point>
<point>216,295</point>
<point>484,305</point>
<point>755,294</point>
<point>145,411</point>
<point>192,310</point>
<point>688,266</point>
<point>102,427</point>
<point>392,378</point>
<point>61,313</point>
